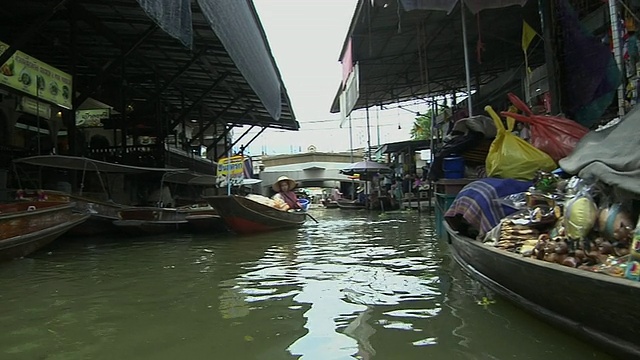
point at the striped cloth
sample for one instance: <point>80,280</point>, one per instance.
<point>478,205</point>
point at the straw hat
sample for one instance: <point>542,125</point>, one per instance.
<point>276,185</point>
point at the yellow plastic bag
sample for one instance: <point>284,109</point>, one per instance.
<point>512,157</point>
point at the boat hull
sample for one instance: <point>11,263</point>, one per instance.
<point>597,307</point>
<point>244,216</point>
<point>344,204</point>
<point>330,204</point>
<point>101,216</point>
<point>150,220</point>
<point>28,226</point>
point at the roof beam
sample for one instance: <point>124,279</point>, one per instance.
<point>181,71</point>
<point>224,133</point>
<point>187,111</point>
<point>213,121</point>
<point>112,64</point>
<point>31,31</point>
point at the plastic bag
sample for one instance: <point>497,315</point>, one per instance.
<point>511,157</point>
<point>556,136</point>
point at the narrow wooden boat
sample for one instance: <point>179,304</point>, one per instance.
<point>345,204</point>
<point>596,307</point>
<point>329,204</point>
<point>245,216</point>
<point>102,214</point>
<point>150,220</point>
<point>203,218</point>
<point>27,226</point>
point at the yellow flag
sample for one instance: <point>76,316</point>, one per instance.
<point>528,34</point>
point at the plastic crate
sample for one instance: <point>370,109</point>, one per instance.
<point>443,202</point>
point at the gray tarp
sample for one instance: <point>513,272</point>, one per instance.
<point>240,32</point>
<point>610,155</point>
<point>172,16</point>
<point>238,27</point>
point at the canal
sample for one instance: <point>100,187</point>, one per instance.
<point>357,285</point>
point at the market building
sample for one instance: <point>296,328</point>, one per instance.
<point>150,84</point>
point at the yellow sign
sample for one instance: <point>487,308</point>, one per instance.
<point>32,76</point>
<point>230,170</point>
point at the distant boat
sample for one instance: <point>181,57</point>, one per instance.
<point>150,220</point>
<point>346,204</point>
<point>26,226</point>
<point>246,216</point>
<point>329,204</point>
<point>203,218</point>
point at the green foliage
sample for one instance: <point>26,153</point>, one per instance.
<point>422,127</point>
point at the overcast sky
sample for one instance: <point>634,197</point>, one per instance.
<point>306,38</point>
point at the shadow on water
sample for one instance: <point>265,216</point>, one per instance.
<point>355,285</point>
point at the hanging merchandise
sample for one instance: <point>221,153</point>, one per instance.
<point>512,157</point>
<point>556,136</point>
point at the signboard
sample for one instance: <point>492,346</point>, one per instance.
<point>33,107</point>
<point>230,171</point>
<point>31,76</point>
<point>92,117</point>
<point>350,94</point>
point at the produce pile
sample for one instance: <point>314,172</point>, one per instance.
<point>276,203</point>
<point>573,223</point>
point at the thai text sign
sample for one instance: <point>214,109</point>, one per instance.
<point>92,117</point>
<point>32,76</point>
<point>231,170</point>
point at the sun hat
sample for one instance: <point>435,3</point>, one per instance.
<point>276,185</point>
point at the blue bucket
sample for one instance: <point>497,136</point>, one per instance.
<point>304,204</point>
<point>453,164</point>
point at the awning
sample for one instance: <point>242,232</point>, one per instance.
<point>413,145</point>
<point>412,55</point>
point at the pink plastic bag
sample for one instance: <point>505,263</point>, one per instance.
<point>554,135</point>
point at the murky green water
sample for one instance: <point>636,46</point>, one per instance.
<point>356,285</point>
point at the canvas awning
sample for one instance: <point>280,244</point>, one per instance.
<point>412,55</point>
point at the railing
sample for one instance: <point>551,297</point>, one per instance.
<point>136,155</point>
<point>151,156</point>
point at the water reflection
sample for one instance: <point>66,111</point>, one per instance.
<point>354,286</point>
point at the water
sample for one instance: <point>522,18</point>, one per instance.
<point>354,286</point>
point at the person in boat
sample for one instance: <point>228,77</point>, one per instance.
<point>336,194</point>
<point>284,191</point>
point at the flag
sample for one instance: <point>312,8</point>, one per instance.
<point>528,34</point>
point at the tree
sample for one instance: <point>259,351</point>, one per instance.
<point>422,127</point>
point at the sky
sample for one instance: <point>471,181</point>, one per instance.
<point>306,38</point>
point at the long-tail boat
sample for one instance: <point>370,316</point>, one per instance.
<point>26,226</point>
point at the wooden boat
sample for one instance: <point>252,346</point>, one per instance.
<point>203,218</point>
<point>27,226</point>
<point>597,307</point>
<point>329,204</point>
<point>345,204</point>
<point>150,220</point>
<point>102,214</point>
<point>245,216</point>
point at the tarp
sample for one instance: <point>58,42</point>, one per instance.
<point>172,16</point>
<point>238,27</point>
<point>610,155</point>
<point>230,20</point>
